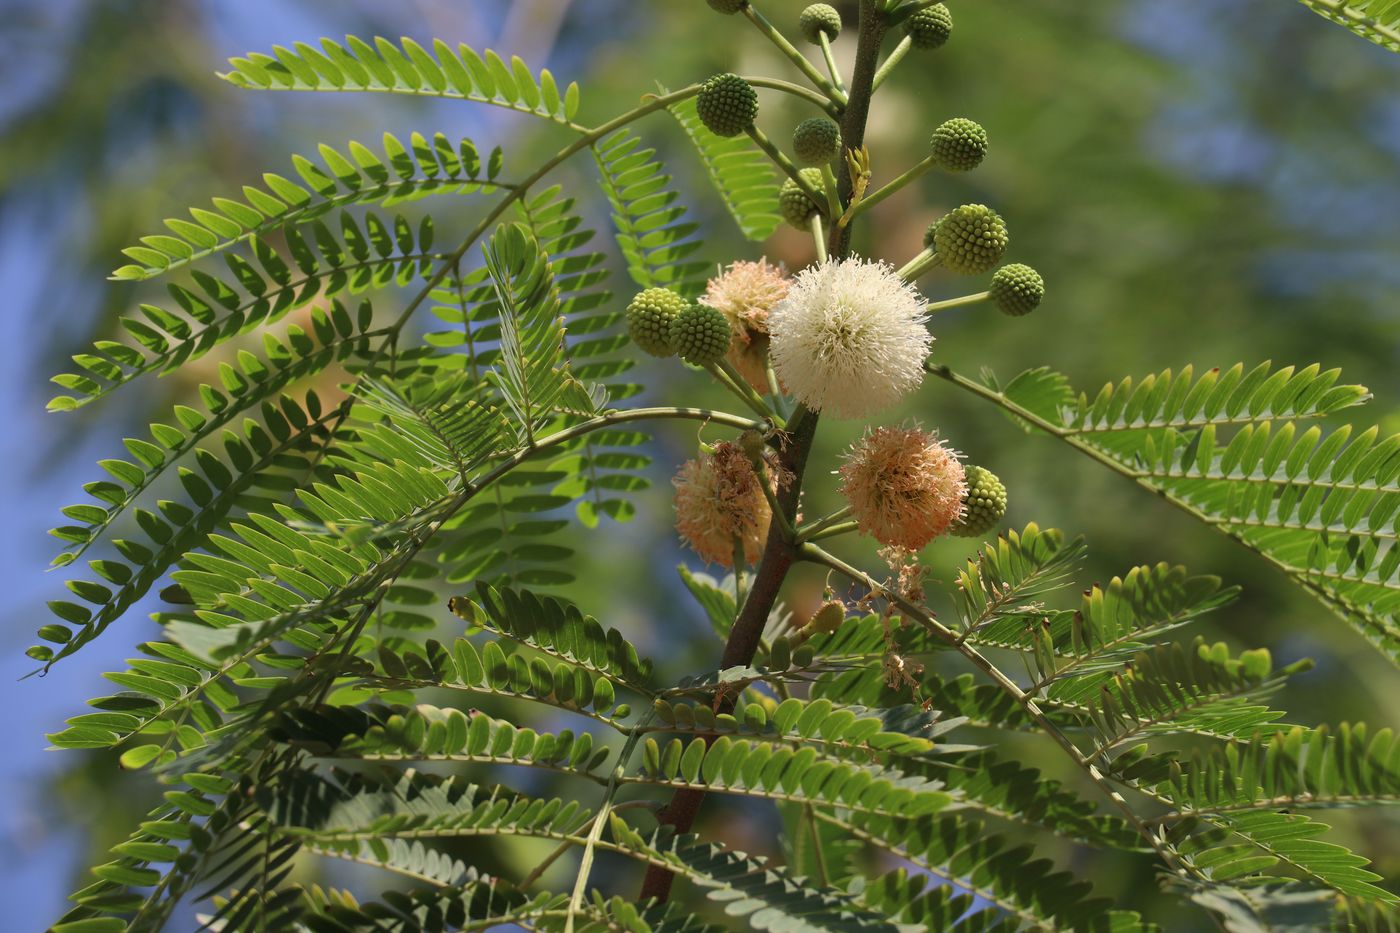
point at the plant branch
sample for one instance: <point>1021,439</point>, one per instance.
<point>793,55</point>
<point>961,302</point>
<point>780,551</point>
<point>871,37</point>
<point>783,162</point>
<point>1008,686</point>
<point>920,168</point>
<point>894,58</point>
<point>831,65</point>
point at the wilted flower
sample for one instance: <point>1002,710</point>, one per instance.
<point>745,294</point>
<point>904,487</point>
<point>718,500</point>
<point>849,338</point>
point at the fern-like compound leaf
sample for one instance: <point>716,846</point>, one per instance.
<point>406,67</point>
<point>1375,20</point>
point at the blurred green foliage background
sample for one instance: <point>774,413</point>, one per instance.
<point>1202,182</point>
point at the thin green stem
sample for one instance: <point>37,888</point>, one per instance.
<point>1011,689</point>
<point>539,870</point>
<point>740,389</point>
<point>783,162</point>
<point>809,816</point>
<point>585,865</point>
<point>797,58</point>
<point>834,530</point>
<point>831,65</point>
<point>825,521</point>
<point>893,59</point>
<point>796,90</point>
<point>920,168</point>
<point>951,303</point>
<point>818,235</point>
<point>833,191</point>
<point>775,506</point>
<point>915,268</point>
<point>775,390</point>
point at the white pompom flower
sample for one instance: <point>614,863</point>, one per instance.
<point>849,339</point>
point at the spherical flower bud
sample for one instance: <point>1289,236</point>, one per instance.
<point>794,204</point>
<point>728,7</point>
<point>959,144</point>
<point>817,20</point>
<point>984,504</point>
<point>649,319</point>
<point>727,105</point>
<point>930,27</point>
<point>719,501</point>
<point>700,335</point>
<point>849,339</point>
<point>816,140</point>
<point>1017,289</point>
<point>970,239</point>
<point>904,487</point>
<point>745,294</point>
<point>828,618</point>
<point>753,445</point>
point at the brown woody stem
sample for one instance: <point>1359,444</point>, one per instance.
<point>780,552</point>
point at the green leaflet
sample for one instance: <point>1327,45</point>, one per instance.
<point>338,338</point>
<point>656,242</point>
<point>746,180</point>
<point>264,454</point>
<point>1376,20</point>
<point>1227,447</point>
<point>407,68</point>
<point>400,175</point>
<point>764,769</point>
<point>354,256</point>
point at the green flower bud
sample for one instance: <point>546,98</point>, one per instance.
<point>816,141</point>
<point>700,335</point>
<point>727,105</point>
<point>959,144</point>
<point>828,618</point>
<point>649,318</point>
<point>1017,289</point>
<point>930,27</point>
<point>970,239</point>
<point>793,203</point>
<point>817,20</point>
<point>984,506</point>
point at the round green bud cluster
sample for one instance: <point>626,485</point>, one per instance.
<point>819,19</point>
<point>959,144</point>
<point>816,140</point>
<point>1017,289</point>
<point>649,318</point>
<point>727,105</point>
<point>728,7</point>
<point>930,27</point>
<point>969,239</point>
<point>793,203</point>
<point>984,506</point>
<point>700,334</point>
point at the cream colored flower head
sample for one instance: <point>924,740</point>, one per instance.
<point>718,500</point>
<point>745,293</point>
<point>849,338</point>
<point>904,486</point>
